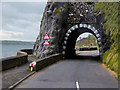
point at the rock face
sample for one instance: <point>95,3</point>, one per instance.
<point>59,17</point>
<point>53,23</point>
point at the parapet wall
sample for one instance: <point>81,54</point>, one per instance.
<point>25,51</point>
<point>21,58</point>
<point>44,62</point>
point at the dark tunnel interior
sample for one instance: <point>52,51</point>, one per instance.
<point>70,46</point>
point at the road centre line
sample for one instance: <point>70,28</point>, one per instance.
<point>77,85</point>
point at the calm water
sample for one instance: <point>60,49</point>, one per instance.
<point>10,48</point>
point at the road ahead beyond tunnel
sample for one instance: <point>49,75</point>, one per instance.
<point>72,74</point>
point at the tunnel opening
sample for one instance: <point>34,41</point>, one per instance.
<point>86,45</point>
<point>72,35</point>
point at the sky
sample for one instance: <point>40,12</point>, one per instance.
<point>21,20</point>
<point>84,35</point>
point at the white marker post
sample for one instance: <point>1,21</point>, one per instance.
<point>32,66</point>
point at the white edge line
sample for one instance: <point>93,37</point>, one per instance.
<point>15,84</point>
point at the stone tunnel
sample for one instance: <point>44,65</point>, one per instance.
<point>72,35</point>
<point>64,22</point>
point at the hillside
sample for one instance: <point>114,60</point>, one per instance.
<point>110,11</point>
<point>90,41</point>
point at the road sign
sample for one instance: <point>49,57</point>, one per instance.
<point>46,42</point>
<point>46,37</point>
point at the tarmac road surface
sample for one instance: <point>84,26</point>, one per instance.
<point>73,74</point>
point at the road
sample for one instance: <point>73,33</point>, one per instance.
<point>13,75</point>
<point>72,74</point>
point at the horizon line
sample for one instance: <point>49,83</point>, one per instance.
<point>19,40</point>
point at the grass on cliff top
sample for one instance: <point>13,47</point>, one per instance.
<point>110,11</point>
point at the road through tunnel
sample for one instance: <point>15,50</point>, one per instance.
<point>72,35</point>
<point>64,27</point>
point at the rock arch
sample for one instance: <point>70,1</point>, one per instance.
<point>73,33</point>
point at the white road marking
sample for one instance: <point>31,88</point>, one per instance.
<point>77,85</point>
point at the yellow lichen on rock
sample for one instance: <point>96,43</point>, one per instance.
<point>56,11</point>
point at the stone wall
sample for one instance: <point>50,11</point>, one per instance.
<point>47,61</point>
<point>20,59</point>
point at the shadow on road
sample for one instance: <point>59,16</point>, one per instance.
<point>88,55</point>
<point>81,57</point>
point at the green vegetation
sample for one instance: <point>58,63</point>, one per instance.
<point>45,22</point>
<point>110,11</point>
<point>41,30</point>
<point>57,10</point>
<point>119,41</point>
<point>36,54</point>
<point>90,41</point>
<point>44,13</point>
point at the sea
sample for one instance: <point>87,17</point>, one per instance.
<point>10,48</point>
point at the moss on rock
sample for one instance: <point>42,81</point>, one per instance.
<point>57,10</point>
